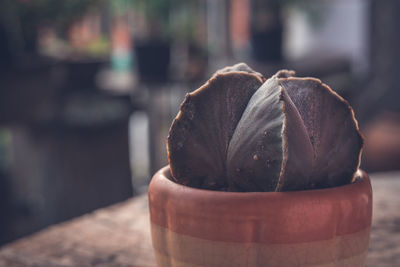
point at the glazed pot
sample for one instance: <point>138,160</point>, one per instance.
<point>195,227</point>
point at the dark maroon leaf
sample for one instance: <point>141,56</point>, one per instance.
<point>240,67</point>
<point>298,156</point>
<point>332,130</point>
<point>199,136</point>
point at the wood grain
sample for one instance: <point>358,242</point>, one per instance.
<point>120,235</point>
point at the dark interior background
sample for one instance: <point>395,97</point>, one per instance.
<point>88,88</point>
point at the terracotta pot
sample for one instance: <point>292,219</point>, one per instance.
<point>194,227</point>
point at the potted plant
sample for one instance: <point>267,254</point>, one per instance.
<point>268,24</point>
<point>151,39</point>
<point>266,30</point>
<point>160,27</point>
<point>262,173</point>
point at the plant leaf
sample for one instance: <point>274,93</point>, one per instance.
<point>332,130</point>
<point>240,67</point>
<point>199,136</point>
<point>270,149</point>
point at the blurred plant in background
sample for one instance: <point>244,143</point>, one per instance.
<point>162,27</point>
<point>153,18</point>
<point>22,20</point>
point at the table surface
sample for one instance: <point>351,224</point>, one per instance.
<point>119,235</point>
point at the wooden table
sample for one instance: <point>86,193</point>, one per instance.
<point>120,236</point>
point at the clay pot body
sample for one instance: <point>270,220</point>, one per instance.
<point>194,227</point>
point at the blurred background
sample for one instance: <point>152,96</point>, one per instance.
<point>89,88</point>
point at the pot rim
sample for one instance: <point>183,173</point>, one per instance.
<point>361,179</point>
